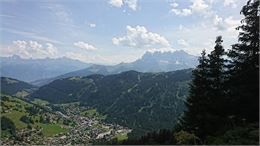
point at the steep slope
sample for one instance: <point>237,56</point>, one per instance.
<point>150,62</point>
<point>35,69</point>
<point>11,86</point>
<point>131,98</point>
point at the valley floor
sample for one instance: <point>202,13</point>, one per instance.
<point>68,124</point>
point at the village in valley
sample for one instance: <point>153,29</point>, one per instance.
<point>65,124</point>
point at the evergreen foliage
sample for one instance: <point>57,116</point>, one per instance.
<point>244,66</point>
<point>226,93</point>
<point>195,118</point>
<point>206,103</point>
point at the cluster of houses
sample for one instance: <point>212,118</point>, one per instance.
<point>85,130</point>
<point>88,129</point>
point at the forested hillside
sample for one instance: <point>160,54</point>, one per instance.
<point>141,101</point>
<point>12,86</point>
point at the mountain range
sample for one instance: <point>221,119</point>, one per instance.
<point>35,69</point>
<point>149,62</point>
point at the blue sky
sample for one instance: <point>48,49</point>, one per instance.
<point>114,31</point>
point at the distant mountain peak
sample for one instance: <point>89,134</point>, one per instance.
<point>156,53</point>
<point>16,57</point>
<point>165,61</point>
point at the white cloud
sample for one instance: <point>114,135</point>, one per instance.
<point>34,45</point>
<point>30,49</point>
<point>228,23</point>
<point>186,12</point>
<point>197,6</point>
<point>140,37</point>
<point>183,42</point>
<point>174,5</point>
<point>20,44</point>
<point>231,3</point>
<point>92,25</point>
<point>116,3</point>
<point>218,22</point>
<point>181,12</point>
<point>132,4</point>
<point>232,23</point>
<point>207,33</point>
<point>51,49</point>
<point>84,46</point>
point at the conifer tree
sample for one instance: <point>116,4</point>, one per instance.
<point>217,77</point>
<point>244,66</point>
<point>206,101</point>
<point>217,99</point>
<point>195,118</point>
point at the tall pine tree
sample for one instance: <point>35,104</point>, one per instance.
<point>244,67</point>
<point>195,118</point>
<point>206,102</point>
<point>217,74</point>
<point>217,77</point>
